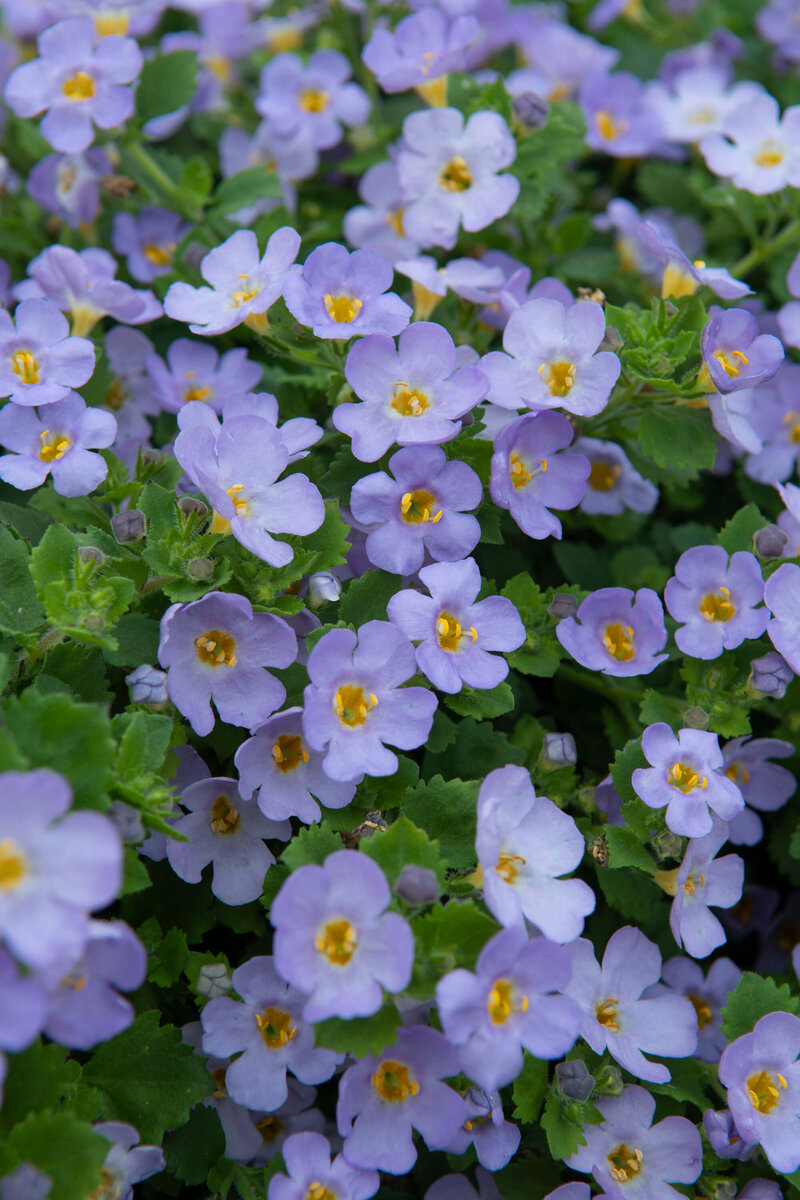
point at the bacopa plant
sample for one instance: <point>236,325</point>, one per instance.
<point>399,600</point>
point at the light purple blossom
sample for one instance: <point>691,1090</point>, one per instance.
<point>56,442</point>
<point>756,148</point>
<point>702,881</point>
<point>355,704</point>
<point>311,100</point>
<point>39,361</point>
<point>343,294</point>
<point>764,785</point>
<point>735,354</point>
<point>725,1139</point>
<point>265,1025</point>
<point>617,1016</point>
<point>23,1005</point>
<point>551,359</point>
<point>217,648</point>
<point>196,371</point>
<point>685,775</point>
<point>658,239</point>
<point>291,158</point>
<point>708,995</point>
<point>530,474</point>
<point>148,241</point>
<point>616,631</point>
<point>560,60</point>
<point>716,600</point>
<point>696,101</point>
<point>420,509</point>
<point>377,224</point>
<point>286,772</point>
<point>410,394</point>
<point>335,941</point>
<point>419,51</point>
<point>69,185</point>
<point>762,1075</point>
<point>455,635</point>
<point>777,23</point>
<point>469,279</point>
<point>382,1099</point>
<point>782,598</point>
<point>127,1162</point>
<point>515,289</point>
<point>243,284</point>
<point>495,1139</point>
<point>626,1148</point>
<point>524,843</point>
<point>79,79</point>
<point>229,832</point>
<point>56,866</point>
<point>789,314</point>
<point>614,484</point>
<point>621,120</point>
<point>773,419</point>
<point>310,1169</point>
<point>296,434</point>
<point>448,171</point>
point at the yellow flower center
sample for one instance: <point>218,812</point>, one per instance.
<point>54,445</point>
<point>394,218</point>
<point>392,1082</point>
<point>108,1187</point>
<point>684,777</point>
<point>352,705</point>
<point>609,127</point>
<point>248,291</point>
<point>110,22</point>
<point>500,1003</point>
<point>770,154</point>
<point>729,366</point>
<point>343,309</point>
<point>449,632</point>
<point>507,868</point>
<point>116,396</point>
<point>702,1009</point>
<point>25,366</point>
<point>288,752</point>
<point>276,1027</point>
<point>337,942</point>
<point>318,1191</point>
<point>224,816</point>
<point>197,393</point>
<point>678,282</point>
<point>79,86</point>
<point>456,176</point>
<point>559,376</point>
<point>159,256</point>
<point>283,40</point>
<point>738,773</point>
<point>13,865</point>
<point>618,641</point>
<point>762,1091</point>
<point>314,101</point>
<point>216,648</point>
<point>607,1015</point>
<point>520,475</point>
<point>240,505</point>
<point>716,606</point>
<point>270,1128</point>
<point>624,1164</point>
<point>792,419</point>
<point>416,508</point>
<point>408,401</point>
<point>603,476</point>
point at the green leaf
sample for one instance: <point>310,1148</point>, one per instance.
<point>451,935</point>
<point>66,1149</point>
<point>311,845</point>
<point>144,742</point>
<point>677,436</point>
<point>244,189</point>
<point>481,704</point>
<point>39,1078</point>
<point>530,1087</point>
<point>167,962</point>
<point>167,83</point>
<point>192,1150</point>
<point>20,609</point>
<point>446,811</point>
<point>563,1136</point>
<point>362,1035</point>
<point>148,1077</point>
<point>690,1081</point>
<point>400,845</point>
<point>135,876</point>
<point>737,533</point>
<point>625,763</point>
<point>365,599</point>
<point>137,638</point>
<point>753,997</point>
<point>626,850</point>
<point>477,749</point>
<point>657,707</point>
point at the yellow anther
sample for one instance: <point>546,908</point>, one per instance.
<point>351,705</point>
<point>684,777</point>
<point>79,86</point>
<point>618,641</point>
<point>762,1093</point>
<point>337,941</point>
<point>456,176</point>
<point>770,155</point>
<point>13,865</point>
<point>199,394</point>
<point>502,1001</point>
<point>474,633</point>
<point>702,1009</point>
<point>448,632</point>
<point>318,1191</point>
<point>609,127</point>
<point>738,773</point>
<point>408,401</point>
<point>624,1164</point>
<point>275,1027</point>
<point>393,1082</point>
<point>607,1015</point>
<point>416,508</point>
<point>506,866</point>
<point>225,817</point>
<point>313,101</point>
<point>25,366</point>
<point>215,648</point>
<point>288,752</point>
<point>604,475</point>
<point>717,606</point>
<point>240,505</point>
<point>394,218</point>
<point>343,309</point>
<point>559,376</point>
<point>726,361</point>
<point>248,291</point>
<point>160,256</point>
<point>54,445</point>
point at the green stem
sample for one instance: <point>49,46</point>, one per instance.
<point>790,233</point>
<point>163,182</point>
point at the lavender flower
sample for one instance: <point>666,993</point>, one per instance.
<point>725,1139</point>
<point>340,294</point>
<point>735,354</point>
<point>265,1024</point>
<point>311,101</point>
<point>685,776</point>
<point>335,941</point>
<point>764,785</point>
<point>229,832</point>
<point>762,1075</point>
<point>421,509</point>
<point>308,1162</point>
<point>410,395</point>
<point>702,881</point>
<point>756,148</point>
<point>681,277</point>
<point>354,703</point>
<point>529,473</point>
<point>216,648</point>
<point>69,185</point>
<point>55,866</point>
<point>617,1016</point>
<point>381,1099</point>
<point>454,634</point>
<point>56,443</point>
<point>377,224</point>
<point>560,60</point>
<point>469,279</point>
<point>716,600</point>
<point>696,101</point>
<point>789,314</point>
<point>524,843</point>
<point>617,631</point>
<point>774,426</point>
<point>126,1162</point>
<point>613,484</point>
<point>196,371</point>
<point>495,1139</point>
<point>79,80</point>
<point>621,120</point>
<point>550,359</point>
<point>707,994</point>
<point>39,361</point>
<point>23,1005</point>
<point>148,241</point>
<point>243,285</point>
<point>420,52</point>
<point>782,598</point>
<point>514,1001</point>
<point>449,173</point>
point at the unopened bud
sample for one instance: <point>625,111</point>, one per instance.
<point>770,675</point>
<point>770,542</point>
<point>323,588</point>
<point>93,622</point>
<point>530,109</point>
<point>573,1080</point>
<point>128,526</point>
<point>189,505</point>
<point>558,750</point>
<point>417,885</point>
<point>214,980</point>
<point>563,605</point>
<point>200,568</point>
<point>725,1189</point>
<point>151,457</point>
<point>668,845</point>
<point>88,554</point>
<point>148,685</point>
<point>128,821</point>
<point>609,1080</point>
<point>695,718</point>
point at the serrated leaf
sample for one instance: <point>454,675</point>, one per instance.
<point>626,850</point>
<point>311,845</point>
<point>450,935</point>
<point>365,599</point>
<point>169,958</point>
<point>677,436</point>
<point>563,1136</point>
<point>39,1078</point>
<point>530,1087</point>
<point>401,845</point>
<point>447,811</point>
<point>360,1036</point>
<point>143,742</point>
<point>193,1149</point>
<point>657,707</point>
<point>64,1148</point>
<point>753,997</point>
<point>481,704</point>
<point>20,608</point>
<point>737,533</point>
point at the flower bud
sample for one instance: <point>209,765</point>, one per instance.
<point>214,980</point>
<point>148,685</point>
<point>770,542</point>
<point>668,845</point>
<point>93,622</point>
<point>128,821</point>
<point>200,568</point>
<point>530,109</point>
<point>609,1080</point>
<point>695,718</point>
<point>770,675</point>
<point>558,750</point>
<point>573,1080</point>
<point>323,588</point>
<point>128,526</point>
<point>189,505</point>
<point>88,554</point>
<point>151,457</point>
<point>417,885</point>
<point>563,604</point>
